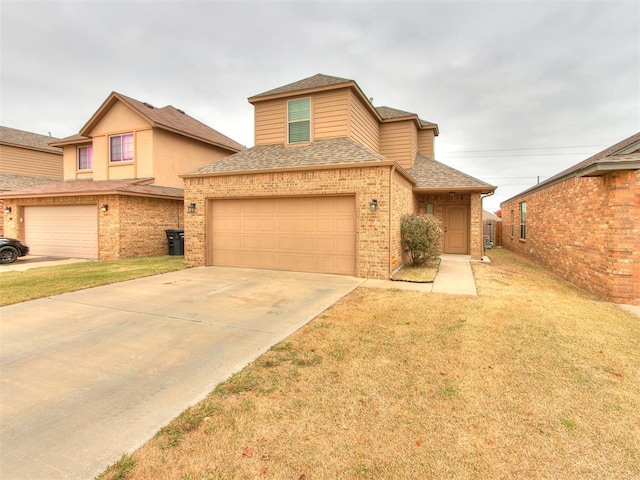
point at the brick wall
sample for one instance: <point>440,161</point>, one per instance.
<point>403,202</point>
<point>473,200</point>
<point>131,227</point>
<point>374,229</point>
<point>135,226</point>
<point>586,230</point>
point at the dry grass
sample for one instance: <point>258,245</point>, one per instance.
<point>423,274</point>
<point>532,379</point>
<point>34,283</point>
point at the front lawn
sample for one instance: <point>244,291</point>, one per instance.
<point>532,379</point>
<point>42,282</point>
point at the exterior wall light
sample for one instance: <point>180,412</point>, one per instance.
<point>191,208</point>
<point>104,207</point>
<point>373,205</point>
<point>7,209</point>
<point>452,195</point>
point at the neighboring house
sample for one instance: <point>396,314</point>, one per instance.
<point>584,223</point>
<point>26,159</point>
<point>121,189</point>
<point>492,228</point>
<point>325,186</point>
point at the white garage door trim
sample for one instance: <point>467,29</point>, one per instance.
<point>307,234</point>
<point>62,231</point>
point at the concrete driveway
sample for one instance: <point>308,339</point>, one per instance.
<point>90,375</point>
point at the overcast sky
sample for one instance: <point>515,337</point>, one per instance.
<point>519,89</point>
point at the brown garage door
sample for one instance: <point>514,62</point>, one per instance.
<point>310,234</point>
<point>66,231</point>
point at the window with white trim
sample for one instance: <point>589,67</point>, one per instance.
<point>299,120</point>
<point>523,221</point>
<point>85,158</point>
<point>121,148</point>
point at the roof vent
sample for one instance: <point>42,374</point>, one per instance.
<point>181,111</point>
<point>148,105</point>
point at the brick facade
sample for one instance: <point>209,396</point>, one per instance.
<point>378,233</point>
<point>586,230</point>
<point>472,200</point>
<point>132,226</point>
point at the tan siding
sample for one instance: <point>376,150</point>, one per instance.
<point>330,114</point>
<point>399,142</point>
<point>24,161</point>
<point>365,128</point>
<point>176,155</point>
<point>270,122</point>
<point>425,143</point>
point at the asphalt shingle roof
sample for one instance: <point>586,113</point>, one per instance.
<point>625,151</point>
<point>137,186</point>
<point>433,174</point>
<point>10,181</point>
<point>316,81</point>
<point>332,151</point>
<point>168,118</point>
<point>35,141</point>
<point>388,113</point>
<point>175,119</point>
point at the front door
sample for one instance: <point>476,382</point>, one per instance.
<point>456,229</point>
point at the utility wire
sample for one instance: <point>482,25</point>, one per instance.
<point>520,149</point>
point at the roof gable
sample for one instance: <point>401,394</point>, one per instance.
<point>167,118</point>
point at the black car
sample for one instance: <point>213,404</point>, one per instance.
<point>11,249</point>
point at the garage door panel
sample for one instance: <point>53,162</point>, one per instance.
<point>326,225</point>
<point>65,231</point>
<point>314,234</point>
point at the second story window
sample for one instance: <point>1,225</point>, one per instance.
<point>121,148</point>
<point>299,120</point>
<point>85,158</point>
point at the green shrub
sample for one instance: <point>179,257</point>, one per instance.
<point>421,236</point>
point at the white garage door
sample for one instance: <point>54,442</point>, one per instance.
<point>66,231</point>
<point>311,234</point>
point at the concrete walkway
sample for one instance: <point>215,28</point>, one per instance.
<point>454,277</point>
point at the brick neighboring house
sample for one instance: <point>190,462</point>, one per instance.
<point>26,159</point>
<point>584,223</point>
<point>325,186</point>
<point>121,188</point>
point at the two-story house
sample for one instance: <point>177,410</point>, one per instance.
<point>325,186</point>
<point>121,188</point>
<point>26,159</point>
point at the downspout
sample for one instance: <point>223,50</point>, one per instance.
<point>391,171</point>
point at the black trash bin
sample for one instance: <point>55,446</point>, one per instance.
<point>176,241</point>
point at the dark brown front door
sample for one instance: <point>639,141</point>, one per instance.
<point>456,229</point>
